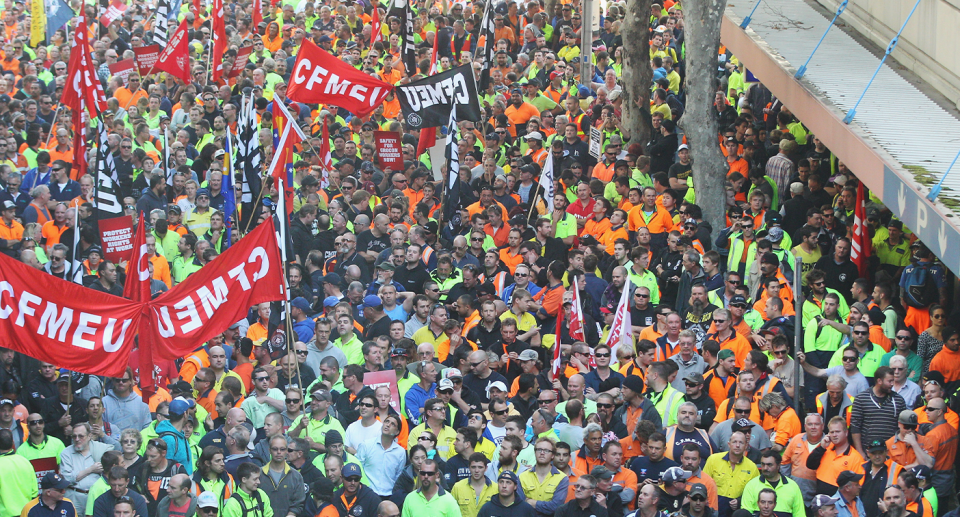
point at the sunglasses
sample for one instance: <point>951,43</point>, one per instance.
<point>848,359</point>
<point>293,401</point>
<point>365,404</point>
<point>34,422</point>
<point>741,411</point>
<point>426,473</point>
<point>860,333</point>
<point>604,406</point>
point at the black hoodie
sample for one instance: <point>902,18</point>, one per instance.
<point>495,508</point>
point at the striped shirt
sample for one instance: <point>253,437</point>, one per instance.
<point>875,418</point>
<point>780,169</point>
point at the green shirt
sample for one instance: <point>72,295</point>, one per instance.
<point>99,488</point>
<point>869,361</point>
<point>442,504</point>
<point>914,364</point>
<point>353,348</point>
<point>648,279</point>
<point>50,448</point>
<point>232,508</point>
<point>317,429</point>
<point>567,227</point>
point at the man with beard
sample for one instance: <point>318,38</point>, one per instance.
<point>698,314</point>
<point>692,276</point>
<point>894,504</point>
<point>668,267</point>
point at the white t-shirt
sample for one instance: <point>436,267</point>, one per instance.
<point>496,432</point>
<point>357,433</point>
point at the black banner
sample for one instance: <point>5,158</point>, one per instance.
<point>428,102</point>
<point>408,50</point>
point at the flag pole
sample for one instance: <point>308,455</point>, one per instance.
<point>56,115</point>
<point>284,221</point>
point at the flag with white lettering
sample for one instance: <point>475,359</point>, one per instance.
<point>174,58</point>
<point>488,40</point>
<point>621,331</point>
<point>427,102</point>
<point>408,48</point>
<point>219,34</point>
<point>320,78</point>
<point>137,286</point>
<point>246,162</point>
<point>451,212</point>
<point>162,23</point>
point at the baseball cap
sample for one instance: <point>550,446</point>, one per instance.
<point>682,147</point>
<point>64,376</point>
<point>331,278</point>
<point>322,395</point>
<point>203,192</point>
<point>528,355</point>
<point>174,208</point>
<point>743,425</point>
<point>601,472</point>
<point>775,235</point>
<point>509,475</point>
<point>398,352</point>
<point>824,500</point>
<point>301,303</point>
<point>445,384</point>
<point>725,354</point>
<point>330,301</point>
<point>695,378</point>
<point>738,299</point>
<point>535,135</point>
<point>498,385</point>
<point>350,470</point>
<point>386,265</point>
<point>848,477</point>
<point>908,417</point>
<point>208,500</point>
<point>6,401</point>
<point>452,373</point>
<point>325,39</point>
<point>180,387</point>
<point>9,205</point>
<point>697,489</point>
<point>372,300</point>
<point>608,309</point>
<point>180,405</point>
<point>922,472</point>
<point>674,474</point>
<point>876,446</point>
<point>52,480</point>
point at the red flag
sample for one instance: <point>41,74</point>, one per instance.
<point>318,77</point>
<point>377,34</point>
<point>325,159</point>
<point>137,286</point>
<point>80,119</point>
<point>428,138</point>
<point>288,135</point>
<point>174,58</point>
<point>576,324</point>
<point>219,39</point>
<point>860,247</point>
<point>555,367</point>
<point>84,89</point>
<point>621,331</point>
<point>257,13</point>
<point>433,59</point>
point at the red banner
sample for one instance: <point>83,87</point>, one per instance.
<point>219,39</point>
<point>374,380</point>
<point>217,296</point>
<point>860,244</point>
<point>243,57</point>
<point>137,287</point>
<point>64,323</point>
<point>146,57</point>
<point>319,77</point>
<point>174,58</point>
<point>83,90</point>
<point>389,152</point>
<point>117,237</point>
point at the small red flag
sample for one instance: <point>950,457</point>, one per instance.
<point>137,285</point>
<point>861,247</point>
<point>175,58</point>
<point>219,39</point>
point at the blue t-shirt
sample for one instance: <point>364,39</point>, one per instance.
<point>646,469</point>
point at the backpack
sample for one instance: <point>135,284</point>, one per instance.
<point>246,511</point>
<point>921,287</point>
<point>176,441</point>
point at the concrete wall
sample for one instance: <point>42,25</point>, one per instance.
<point>928,44</point>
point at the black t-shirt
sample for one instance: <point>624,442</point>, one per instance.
<point>643,317</point>
<point>380,328</point>
<point>681,172</point>
<point>367,241</point>
<point>646,469</point>
<point>479,386</point>
<point>669,503</point>
<point>839,276</point>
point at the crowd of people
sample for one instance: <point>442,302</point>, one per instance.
<point>464,366</point>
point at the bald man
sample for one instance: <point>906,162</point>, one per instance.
<point>218,436</point>
<point>179,495</point>
<point>576,387</point>
<point>482,376</point>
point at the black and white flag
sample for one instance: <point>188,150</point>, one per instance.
<point>452,210</point>
<point>109,203</point>
<point>426,103</point>
<point>488,30</point>
<point>247,160</point>
<point>161,22</point>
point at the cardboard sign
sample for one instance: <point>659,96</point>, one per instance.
<point>596,142</point>
<point>122,69</point>
<point>117,237</point>
<point>146,57</point>
<point>385,378</point>
<point>389,151</point>
<point>113,12</point>
<point>243,57</point>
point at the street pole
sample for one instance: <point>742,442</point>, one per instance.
<point>586,42</point>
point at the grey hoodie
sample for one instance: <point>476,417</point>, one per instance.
<point>129,412</point>
<point>163,508</point>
